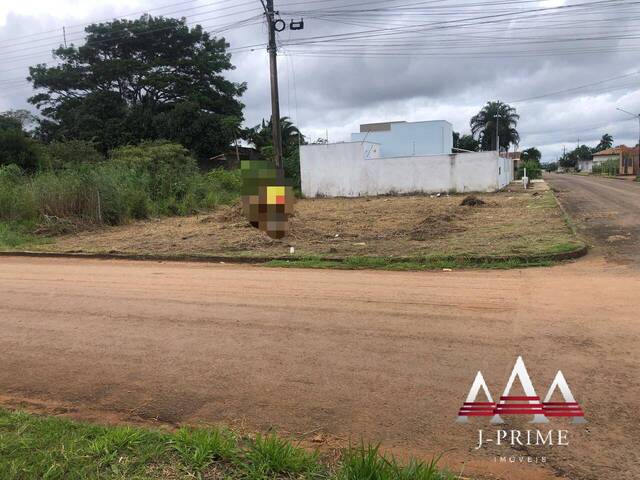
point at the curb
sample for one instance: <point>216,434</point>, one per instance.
<point>567,218</point>
<point>572,254</point>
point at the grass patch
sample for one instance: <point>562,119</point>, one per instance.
<point>270,456</point>
<point>18,234</point>
<point>35,447</point>
<point>434,263</point>
<point>366,462</point>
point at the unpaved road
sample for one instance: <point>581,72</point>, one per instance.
<point>607,212</point>
<point>383,355</point>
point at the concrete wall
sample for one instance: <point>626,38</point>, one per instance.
<point>585,165</point>
<point>351,169</point>
<point>406,139</point>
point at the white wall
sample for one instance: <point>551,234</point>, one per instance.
<point>411,138</point>
<point>585,165</point>
<point>341,170</point>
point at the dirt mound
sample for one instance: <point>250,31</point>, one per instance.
<point>472,201</point>
<point>437,225</point>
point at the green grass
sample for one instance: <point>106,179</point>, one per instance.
<point>366,462</point>
<point>433,263</point>
<point>50,448</point>
<point>18,234</point>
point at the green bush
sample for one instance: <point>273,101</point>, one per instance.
<point>17,202</point>
<point>16,147</point>
<point>291,165</point>
<point>609,167</point>
<point>533,170</point>
<point>135,183</point>
<point>57,155</point>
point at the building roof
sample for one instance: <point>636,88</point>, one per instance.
<point>386,126</point>
<point>616,151</point>
<point>608,151</point>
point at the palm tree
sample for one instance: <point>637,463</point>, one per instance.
<point>531,154</point>
<point>260,135</point>
<point>605,142</point>
<point>483,125</point>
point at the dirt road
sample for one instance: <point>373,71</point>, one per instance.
<point>607,211</point>
<point>388,356</point>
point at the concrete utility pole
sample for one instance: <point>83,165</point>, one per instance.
<point>275,100</point>
<point>638,116</point>
<point>498,132</point>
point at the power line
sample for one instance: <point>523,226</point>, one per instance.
<point>141,12</point>
<point>125,34</point>
<point>573,89</point>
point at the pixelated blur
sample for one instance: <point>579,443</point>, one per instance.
<point>267,197</point>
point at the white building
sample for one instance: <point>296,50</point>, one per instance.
<point>354,169</point>
<point>403,139</point>
<point>585,165</point>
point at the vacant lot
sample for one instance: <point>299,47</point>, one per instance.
<point>508,223</point>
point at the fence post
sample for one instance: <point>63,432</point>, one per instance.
<point>99,207</point>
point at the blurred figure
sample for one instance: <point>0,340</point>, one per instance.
<point>267,198</point>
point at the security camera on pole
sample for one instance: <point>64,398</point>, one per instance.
<point>276,25</point>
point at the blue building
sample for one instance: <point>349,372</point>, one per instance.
<point>404,139</point>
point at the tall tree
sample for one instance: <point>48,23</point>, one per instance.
<point>483,125</point>
<point>465,142</point>
<point>133,80</point>
<point>605,142</point>
<point>531,155</point>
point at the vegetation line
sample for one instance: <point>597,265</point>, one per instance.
<point>35,447</point>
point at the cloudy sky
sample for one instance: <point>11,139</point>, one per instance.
<point>565,65</point>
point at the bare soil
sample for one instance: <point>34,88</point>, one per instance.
<point>328,356</point>
<point>607,212</point>
<point>507,223</point>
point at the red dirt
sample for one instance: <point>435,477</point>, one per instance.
<point>388,356</point>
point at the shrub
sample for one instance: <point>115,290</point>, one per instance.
<point>166,168</point>
<point>291,165</point>
<point>609,167</point>
<point>136,182</point>
<point>16,147</point>
<point>57,155</point>
<point>533,170</point>
<point>16,200</point>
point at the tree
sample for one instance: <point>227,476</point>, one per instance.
<point>483,125</point>
<point>605,142</point>
<point>465,142</point>
<point>22,118</point>
<point>261,135</point>
<point>582,152</point>
<point>531,155</point>
<point>9,123</point>
<point>141,79</point>
<point>568,160</point>
<point>16,146</point>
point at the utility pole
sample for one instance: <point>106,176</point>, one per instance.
<point>638,116</point>
<point>498,132</point>
<point>275,100</point>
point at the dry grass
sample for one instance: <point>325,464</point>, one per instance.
<point>509,223</point>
